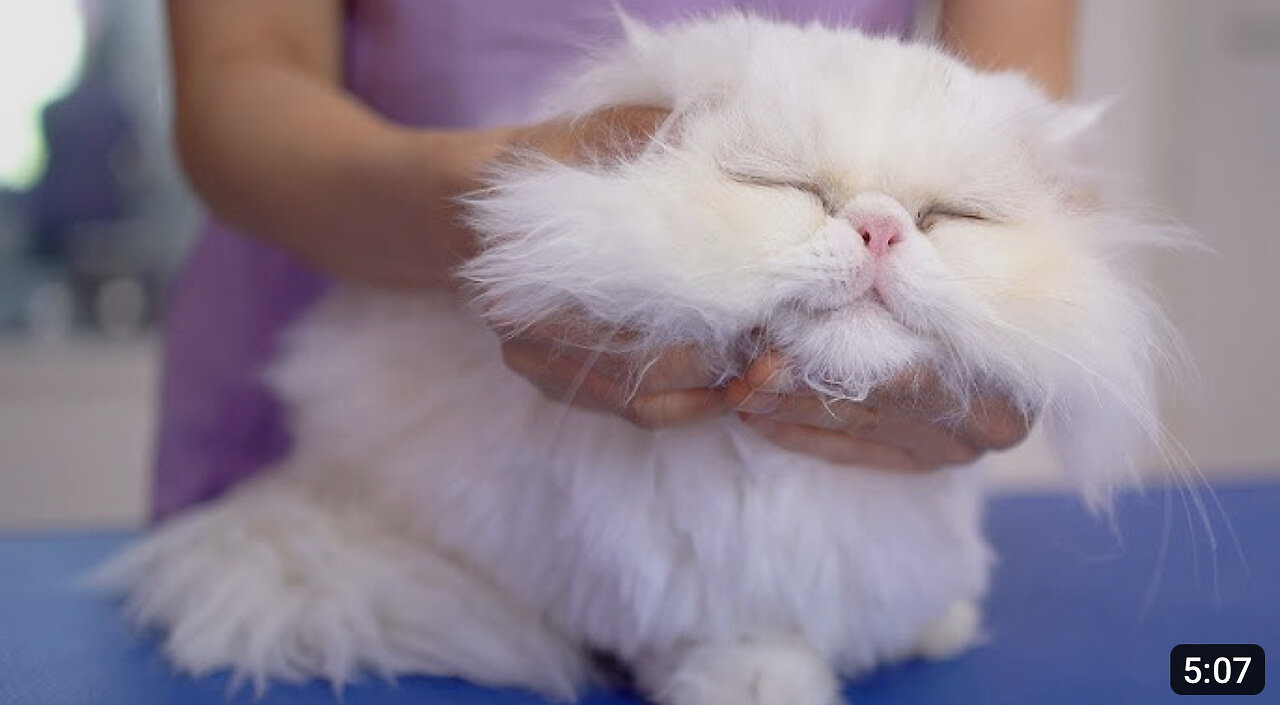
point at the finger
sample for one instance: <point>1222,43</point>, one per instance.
<point>931,444</point>
<point>618,132</point>
<point>917,391</point>
<point>649,412</point>
<point>576,331</point>
<point>673,369</point>
<point>812,410</point>
<point>674,408</point>
<point>566,379</point>
<point>807,408</point>
<point>770,372</point>
<point>579,399</point>
<point>738,392</point>
<point>541,355</point>
<point>562,377</point>
<point>991,421</point>
<point>614,354</point>
<point>995,422</point>
<point>832,446</point>
<point>670,370</point>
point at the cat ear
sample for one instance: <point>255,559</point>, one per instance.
<point>636,33</point>
<point>1063,136</point>
<point>1068,122</point>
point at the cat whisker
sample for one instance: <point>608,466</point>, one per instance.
<point>638,379</point>
<point>1186,474</point>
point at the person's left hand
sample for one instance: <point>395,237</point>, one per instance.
<point>898,426</point>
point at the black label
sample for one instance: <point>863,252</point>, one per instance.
<point>1217,669</point>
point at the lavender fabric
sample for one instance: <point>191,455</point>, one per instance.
<point>440,63</point>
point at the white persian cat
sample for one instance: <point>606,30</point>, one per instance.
<point>871,205</point>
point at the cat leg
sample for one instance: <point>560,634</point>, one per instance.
<point>273,583</point>
<point>761,670</point>
<point>951,634</point>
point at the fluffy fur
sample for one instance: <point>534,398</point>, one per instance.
<point>439,516</point>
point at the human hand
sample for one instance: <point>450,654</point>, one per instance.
<point>897,427</point>
<point>568,362</point>
<point>584,363</point>
<point>621,131</point>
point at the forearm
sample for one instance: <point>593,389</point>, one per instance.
<point>294,161</point>
<point>1033,36</point>
<point>276,146</point>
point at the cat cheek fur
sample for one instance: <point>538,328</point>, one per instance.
<point>690,256</point>
<point>1074,337</point>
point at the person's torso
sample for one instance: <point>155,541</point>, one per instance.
<point>470,63</point>
<point>437,63</point>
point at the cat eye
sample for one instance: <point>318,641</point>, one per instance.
<point>810,187</point>
<point>935,213</point>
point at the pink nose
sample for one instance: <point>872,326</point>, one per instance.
<point>879,233</point>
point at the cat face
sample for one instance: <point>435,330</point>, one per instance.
<point>869,204</point>
<point>898,208</point>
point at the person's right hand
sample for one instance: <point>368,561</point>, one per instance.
<point>566,359</point>
<point>612,132</point>
<point>568,362</point>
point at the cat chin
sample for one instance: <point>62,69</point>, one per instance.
<point>845,353</point>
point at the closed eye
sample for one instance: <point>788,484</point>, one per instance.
<point>936,213</point>
<point>810,187</point>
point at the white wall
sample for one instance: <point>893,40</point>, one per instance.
<point>75,432</point>
<point>1228,186</point>
<point>1119,57</point>
<point>1198,124</point>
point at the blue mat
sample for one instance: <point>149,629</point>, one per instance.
<point>1079,614</point>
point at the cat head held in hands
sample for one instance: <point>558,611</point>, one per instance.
<point>893,208</point>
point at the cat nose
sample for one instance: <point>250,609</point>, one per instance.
<point>879,233</point>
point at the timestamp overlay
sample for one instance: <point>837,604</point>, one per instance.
<point>1217,669</point>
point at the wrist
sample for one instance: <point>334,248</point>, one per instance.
<point>433,169</point>
<point>456,158</point>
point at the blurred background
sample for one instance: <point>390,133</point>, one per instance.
<point>95,217</point>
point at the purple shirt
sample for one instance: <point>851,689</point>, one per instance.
<point>440,63</point>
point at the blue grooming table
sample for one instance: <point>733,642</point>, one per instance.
<point>1081,613</point>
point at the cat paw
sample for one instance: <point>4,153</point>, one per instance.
<point>955,631</point>
<point>758,671</point>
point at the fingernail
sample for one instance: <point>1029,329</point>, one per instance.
<point>780,382</point>
<point>758,403</point>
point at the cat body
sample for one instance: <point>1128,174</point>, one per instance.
<point>633,542</point>
<point>871,205</point>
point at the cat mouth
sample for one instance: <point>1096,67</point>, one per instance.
<point>870,300</point>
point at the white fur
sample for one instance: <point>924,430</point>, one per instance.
<point>438,515</point>
<point>754,670</point>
